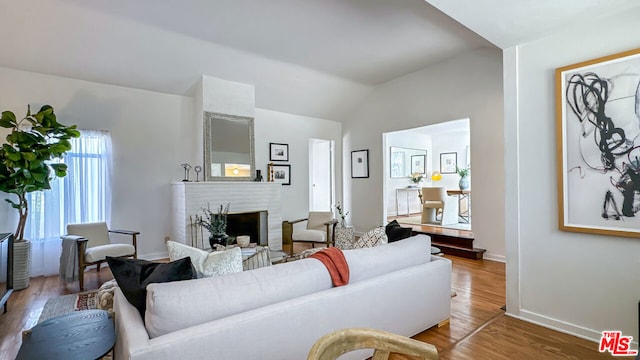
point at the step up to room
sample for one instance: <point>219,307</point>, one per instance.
<point>456,243</point>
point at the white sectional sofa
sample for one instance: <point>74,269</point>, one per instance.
<point>278,312</point>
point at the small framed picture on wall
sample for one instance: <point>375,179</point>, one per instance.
<point>360,164</point>
<point>417,164</point>
<point>448,163</point>
<point>282,174</point>
<point>278,152</point>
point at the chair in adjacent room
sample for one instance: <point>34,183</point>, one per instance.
<point>438,207</point>
<point>320,229</point>
<point>336,343</point>
<point>93,245</point>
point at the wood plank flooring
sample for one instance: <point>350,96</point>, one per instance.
<point>478,328</point>
<point>26,305</point>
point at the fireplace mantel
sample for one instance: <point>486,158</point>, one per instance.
<point>188,199</point>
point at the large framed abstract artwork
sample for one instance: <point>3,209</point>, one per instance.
<point>598,145</point>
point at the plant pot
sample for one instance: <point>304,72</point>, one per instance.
<point>218,239</point>
<point>464,183</point>
<point>21,264</point>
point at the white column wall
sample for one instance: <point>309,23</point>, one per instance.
<point>467,86</point>
<point>578,283</point>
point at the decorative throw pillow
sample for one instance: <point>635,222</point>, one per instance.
<point>207,264</point>
<point>261,258</point>
<point>396,232</point>
<point>371,238</point>
<point>133,276</point>
<point>105,296</point>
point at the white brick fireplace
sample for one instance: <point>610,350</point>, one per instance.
<point>188,199</point>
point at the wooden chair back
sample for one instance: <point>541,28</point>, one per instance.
<point>97,233</point>
<point>336,343</point>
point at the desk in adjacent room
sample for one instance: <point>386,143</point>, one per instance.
<point>407,190</point>
<point>463,195</point>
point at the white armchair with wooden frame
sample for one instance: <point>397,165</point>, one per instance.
<point>94,245</point>
<point>320,229</point>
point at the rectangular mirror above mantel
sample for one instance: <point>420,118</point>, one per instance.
<point>188,199</point>
<point>229,147</point>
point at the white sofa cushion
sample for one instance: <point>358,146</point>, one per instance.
<point>207,264</point>
<point>182,304</point>
<point>366,263</point>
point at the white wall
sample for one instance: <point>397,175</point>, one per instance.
<point>152,134</point>
<point>579,283</point>
<point>467,86</point>
<point>295,130</point>
<point>150,141</point>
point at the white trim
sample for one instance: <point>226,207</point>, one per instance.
<point>563,326</point>
<point>154,256</point>
<point>495,257</point>
<point>512,181</point>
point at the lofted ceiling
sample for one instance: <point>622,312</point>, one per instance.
<point>310,57</point>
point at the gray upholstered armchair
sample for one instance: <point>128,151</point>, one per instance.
<point>94,245</point>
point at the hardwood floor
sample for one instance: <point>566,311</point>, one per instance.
<point>478,328</point>
<point>26,305</point>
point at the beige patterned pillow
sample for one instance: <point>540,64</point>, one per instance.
<point>207,264</point>
<point>104,299</point>
<point>372,238</point>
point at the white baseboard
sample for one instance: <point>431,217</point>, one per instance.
<point>154,256</point>
<point>563,327</point>
<point>494,257</point>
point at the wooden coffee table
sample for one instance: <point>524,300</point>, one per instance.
<point>87,334</point>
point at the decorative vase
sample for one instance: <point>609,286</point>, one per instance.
<point>258,176</point>
<point>343,222</point>
<point>21,264</point>
<point>218,239</point>
<point>464,183</point>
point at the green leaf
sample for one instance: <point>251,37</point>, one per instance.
<point>38,176</point>
<point>9,116</point>
<point>60,169</point>
<point>29,156</point>
<point>6,123</point>
<point>14,156</point>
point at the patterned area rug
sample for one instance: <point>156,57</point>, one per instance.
<point>63,304</point>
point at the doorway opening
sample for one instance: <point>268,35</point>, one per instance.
<point>428,156</point>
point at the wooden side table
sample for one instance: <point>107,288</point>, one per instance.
<point>344,237</point>
<point>87,334</point>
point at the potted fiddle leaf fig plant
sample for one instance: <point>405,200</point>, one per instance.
<point>26,166</point>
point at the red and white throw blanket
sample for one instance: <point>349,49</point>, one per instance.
<point>335,262</point>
